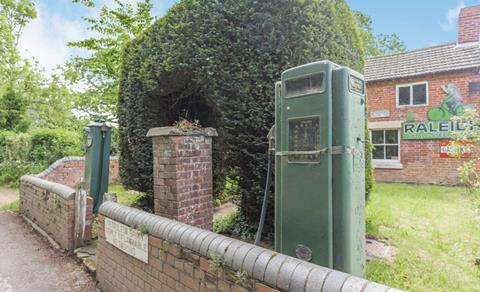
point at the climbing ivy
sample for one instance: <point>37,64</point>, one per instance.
<point>216,62</point>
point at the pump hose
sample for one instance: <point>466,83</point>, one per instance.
<point>268,184</point>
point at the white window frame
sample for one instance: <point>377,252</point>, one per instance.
<point>387,163</point>
<point>397,88</point>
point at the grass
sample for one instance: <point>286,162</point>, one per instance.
<point>436,231</point>
<point>123,197</point>
<point>13,206</point>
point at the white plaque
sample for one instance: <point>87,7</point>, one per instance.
<point>127,239</point>
<point>380,114</point>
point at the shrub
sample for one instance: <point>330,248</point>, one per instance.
<point>49,145</point>
<point>216,62</point>
<point>32,152</point>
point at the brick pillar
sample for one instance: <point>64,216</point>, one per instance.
<point>182,174</point>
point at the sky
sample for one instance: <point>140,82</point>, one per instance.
<point>419,23</point>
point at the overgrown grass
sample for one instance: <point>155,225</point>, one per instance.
<point>123,197</point>
<point>436,231</point>
<point>13,206</point>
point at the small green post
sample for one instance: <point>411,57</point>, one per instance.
<point>97,161</point>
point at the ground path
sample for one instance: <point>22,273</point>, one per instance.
<point>28,262</point>
<point>7,196</point>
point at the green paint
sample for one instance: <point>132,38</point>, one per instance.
<point>439,124</point>
<point>320,196</point>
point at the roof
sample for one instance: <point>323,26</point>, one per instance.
<point>443,58</point>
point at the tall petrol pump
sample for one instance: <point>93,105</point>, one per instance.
<point>97,161</point>
<point>320,166</point>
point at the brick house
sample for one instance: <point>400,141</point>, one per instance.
<point>412,98</point>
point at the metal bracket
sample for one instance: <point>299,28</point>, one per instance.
<point>334,150</point>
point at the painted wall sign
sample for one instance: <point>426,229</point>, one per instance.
<point>380,114</point>
<point>431,130</point>
<point>439,124</point>
<point>454,149</point>
<point>127,239</point>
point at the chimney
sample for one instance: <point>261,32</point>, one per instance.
<point>469,25</point>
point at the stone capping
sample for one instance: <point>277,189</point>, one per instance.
<point>61,161</point>
<point>277,270</point>
<point>173,131</point>
<point>62,190</point>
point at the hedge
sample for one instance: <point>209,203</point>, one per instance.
<point>32,152</point>
<point>217,61</point>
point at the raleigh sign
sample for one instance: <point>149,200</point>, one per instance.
<point>440,124</point>
<point>431,130</point>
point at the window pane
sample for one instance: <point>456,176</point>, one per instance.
<point>391,152</point>
<point>420,94</point>
<point>378,152</point>
<point>377,137</point>
<point>404,95</point>
<point>304,85</point>
<point>391,137</point>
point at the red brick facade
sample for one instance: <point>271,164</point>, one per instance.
<point>469,25</point>
<point>182,174</point>
<point>420,159</point>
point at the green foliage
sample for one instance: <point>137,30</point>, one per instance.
<point>468,172</point>
<point>32,152</point>
<point>12,112</point>
<point>100,69</point>
<point>380,44</point>
<point>234,224</point>
<point>216,62</point>
<point>217,261</point>
<point>369,176</point>
<point>49,145</point>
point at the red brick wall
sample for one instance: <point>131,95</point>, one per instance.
<point>186,258</point>
<point>420,158</point>
<point>183,179</point>
<point>469,24</point>
<point>170,268</point>
<point>52,207</point>
<point>69,170</point>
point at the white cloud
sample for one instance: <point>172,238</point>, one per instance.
<point>451,17</point>
<point>45,38</point>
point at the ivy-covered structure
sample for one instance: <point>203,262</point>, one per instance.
<point>216,62</point>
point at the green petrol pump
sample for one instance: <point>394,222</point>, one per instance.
<point>97,161</point>
<point>319,166</point>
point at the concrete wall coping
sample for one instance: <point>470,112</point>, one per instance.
<point>173,131</point>
<point>62,190</point>
<point>277,270</point>
<point>63,160</point>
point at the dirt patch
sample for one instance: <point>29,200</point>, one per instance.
<point>29,263</point>
<point>8,196</point>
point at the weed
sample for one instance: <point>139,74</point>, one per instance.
<point>217,261</point>
<point>241,277</point>
<point>143,229</point>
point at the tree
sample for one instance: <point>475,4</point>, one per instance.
<point>14,15</point>
<point>217,61</point>
<point>12,112</point>
<point>375,45</point>
<point>100,71</point>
